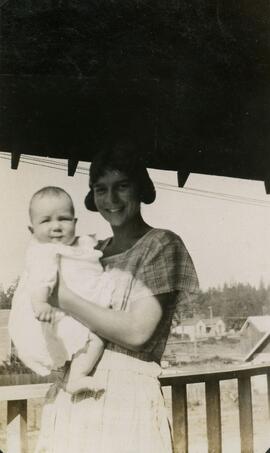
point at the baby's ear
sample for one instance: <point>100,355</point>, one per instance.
<point>31,229</point>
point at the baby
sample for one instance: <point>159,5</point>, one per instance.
<point>52,337</point>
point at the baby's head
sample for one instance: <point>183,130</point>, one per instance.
<point>52,216</point>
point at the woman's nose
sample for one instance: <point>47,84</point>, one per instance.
<point>112,197</point>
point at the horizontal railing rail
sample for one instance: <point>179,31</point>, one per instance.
<point>16,390</point>
<point>178,382</point>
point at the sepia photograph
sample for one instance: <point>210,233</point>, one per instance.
<point>134,260</point>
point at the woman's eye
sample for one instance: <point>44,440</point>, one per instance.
<point>99,191</point>
<point>124,185</point>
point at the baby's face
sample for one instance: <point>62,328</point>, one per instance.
<point>53,219</point>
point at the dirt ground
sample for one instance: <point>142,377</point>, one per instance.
<point>226,350</point>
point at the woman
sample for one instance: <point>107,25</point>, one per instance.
<point>153,271</point>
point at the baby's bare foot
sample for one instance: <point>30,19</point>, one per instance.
<point>83,384</point>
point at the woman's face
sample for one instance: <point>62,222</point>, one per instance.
<point>116,198</point>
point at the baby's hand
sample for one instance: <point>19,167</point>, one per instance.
<point>43,311</point>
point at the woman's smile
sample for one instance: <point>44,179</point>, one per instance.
<point>115,210</point>
<point>116,198</point>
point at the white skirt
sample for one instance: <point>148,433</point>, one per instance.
<point>128,417</point>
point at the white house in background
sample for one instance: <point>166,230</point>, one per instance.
<point>198,328</point>
<point>5,342</point>
<point>255,339</point>
<point>215,327</point>
<point>191,327</point>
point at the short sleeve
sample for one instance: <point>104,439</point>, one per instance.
<point>166,266</point>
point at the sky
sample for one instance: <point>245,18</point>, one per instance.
<point>224,222</point>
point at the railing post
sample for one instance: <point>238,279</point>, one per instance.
<point>213,416</point>
<point>268,392</point>
<point>245,414</point>
<point>179,412</point>
<point>17,426</point>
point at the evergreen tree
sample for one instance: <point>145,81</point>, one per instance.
<point>6,296</point>
<point>233,303</point>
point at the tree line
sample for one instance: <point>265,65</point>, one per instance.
<point>233,303</point>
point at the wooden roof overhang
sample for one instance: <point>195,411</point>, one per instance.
<point>189,80</point>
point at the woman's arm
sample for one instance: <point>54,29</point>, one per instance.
<point>130,329</point>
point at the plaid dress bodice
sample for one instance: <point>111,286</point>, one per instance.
<point>157,263</point>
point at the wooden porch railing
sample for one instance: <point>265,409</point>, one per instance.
<point>17,396</point>
<point>212,381</point>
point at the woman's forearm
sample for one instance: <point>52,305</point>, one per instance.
<point>113,326</point>
<point>130,329</point>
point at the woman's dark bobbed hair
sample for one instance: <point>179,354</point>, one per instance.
<point>121,156</point>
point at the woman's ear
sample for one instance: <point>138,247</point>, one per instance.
<point>90,202</point>
<point>31,229</point>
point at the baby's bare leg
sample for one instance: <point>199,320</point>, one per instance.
<point>83,362</point>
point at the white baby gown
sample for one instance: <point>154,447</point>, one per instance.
<point>45,346</point>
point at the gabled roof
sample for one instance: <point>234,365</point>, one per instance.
<point>262,323</point>
<point>211,321</point>
<point>206,321</point>
<point>190,322</point>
